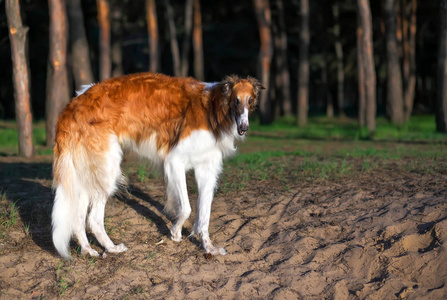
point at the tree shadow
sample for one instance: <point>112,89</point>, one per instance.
<point>143,210</point>
<point>161,224</point>
<point>26,185</point>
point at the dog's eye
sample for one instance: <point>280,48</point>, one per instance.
<point>250,101</point>
<point>236,101</point>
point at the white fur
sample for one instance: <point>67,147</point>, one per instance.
<point>199,152</point>
<point>146,149</point>
<point>210,85</point>
<point>84,88</point>
<point>87,182</point>
<point>242,120</point>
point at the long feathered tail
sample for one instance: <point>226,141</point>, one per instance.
<point>64,208</point>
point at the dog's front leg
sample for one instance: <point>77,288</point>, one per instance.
<point>177,202</point>
<point>206,176</point>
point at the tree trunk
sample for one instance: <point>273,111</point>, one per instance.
<point>327,94</point>
<point>441,99</point>
<point>263,15</point>
<point>173,38</point>
<point>303,65</point>
<point>282,76</point>
<point>340,65</point>
<point>198,42</point>
<point>361,75</point>
<point>395,107</point>
<point>80,55</point>
<point>368,65</point>
<point>152,29</point>
<point>20,73</point>
<point>105,62</point>
<point>409,56</point>
<point>117,40</point>
<point>187,38</point>
<point>57,84</point>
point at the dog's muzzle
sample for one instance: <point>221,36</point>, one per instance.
<point>242,128</point>
<point>242,122</point>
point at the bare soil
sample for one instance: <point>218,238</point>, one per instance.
<point>376,234</point>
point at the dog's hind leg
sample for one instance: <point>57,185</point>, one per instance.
<point>206,176</point>
<point>96,222</point>
<point>79,225</point>
<point>177,202</point>
<point>108,176</point>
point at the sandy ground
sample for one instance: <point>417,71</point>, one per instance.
<point>368,235</point>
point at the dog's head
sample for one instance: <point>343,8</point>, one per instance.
<point>241,96</point>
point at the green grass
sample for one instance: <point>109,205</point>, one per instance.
<point>418,128</point>
<point>328,149</point>
<point>142,172</point>
<point>8,215</point>
<point>62,284</point>
<point>9,135</point>
<point>9,138</point>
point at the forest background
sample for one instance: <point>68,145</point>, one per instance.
<point>337,58</point>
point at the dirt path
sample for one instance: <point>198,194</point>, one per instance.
<point>369,235</point>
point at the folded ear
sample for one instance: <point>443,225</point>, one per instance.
<point>257,86</point>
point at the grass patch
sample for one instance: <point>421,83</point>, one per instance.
<point>9,138</point>
<point>62,282</point>
<point>8,214</point>
<point>418,128</point>
<point>9,135</point>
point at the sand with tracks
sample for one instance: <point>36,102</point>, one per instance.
<point>370,235</point>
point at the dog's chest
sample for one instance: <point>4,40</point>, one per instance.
<point>201,146</point>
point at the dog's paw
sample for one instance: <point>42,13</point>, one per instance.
<point>117,249</point>
<point>176,238</point>
<point>90,251</point>
<point>215,250</point>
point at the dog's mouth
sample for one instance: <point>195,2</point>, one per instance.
<point>241,131</point>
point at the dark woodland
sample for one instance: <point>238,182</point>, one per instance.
<point>359,59</point>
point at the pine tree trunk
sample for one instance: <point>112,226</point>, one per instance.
<point>199,72</point>
<point>117,40</point>
<point>395,102</point>
<point>327,94</point>
<point>57,84</point>
<point>263,15</point>
<point>340,65</point>
<point>282,67</point>
<point>105,58</point>
<point>173,39</point>
<point>368,65</point>
<point>303,65</point>
<point>409,57</point>
<point>441,99</point>
<point>152,29</point>
<point>20,73</point>
<point>80,55</point>
<point>361,75</point>
<point>187,38</point>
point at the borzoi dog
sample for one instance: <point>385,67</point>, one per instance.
<point>177,123</point>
